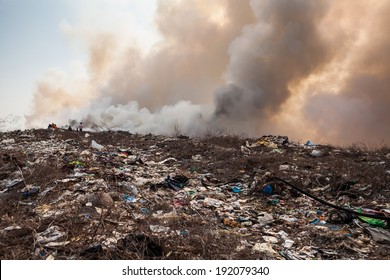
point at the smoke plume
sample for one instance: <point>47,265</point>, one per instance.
<point>309,69</point>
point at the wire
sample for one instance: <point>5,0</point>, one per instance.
<point>330,204</point>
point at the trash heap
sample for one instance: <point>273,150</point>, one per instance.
<point>116,195</point>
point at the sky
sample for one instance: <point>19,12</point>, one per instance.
<point>31,43</point>
<point>35,38</point>
<point>310,69</point>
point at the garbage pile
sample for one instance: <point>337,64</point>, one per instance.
<point>116,195</point>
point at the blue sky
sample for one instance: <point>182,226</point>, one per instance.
<point>32,39</point>
<point>31,42</point>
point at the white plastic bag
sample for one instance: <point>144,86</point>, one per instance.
<point>96,146</point>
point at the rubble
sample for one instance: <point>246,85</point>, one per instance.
<point>130,196</point>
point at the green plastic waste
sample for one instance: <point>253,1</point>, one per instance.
<point>372,221</point>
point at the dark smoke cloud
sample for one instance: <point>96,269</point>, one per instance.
<point>270,57</point>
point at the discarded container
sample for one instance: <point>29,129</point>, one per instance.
<point>236,189</point>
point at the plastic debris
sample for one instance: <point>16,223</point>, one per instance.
<point>288,243</point>
<point>315,153</point>
<point>267,190</point>
<point>11,228</point>
<point>96,145</point>
<point>283,234</point>
<point>30,191</point>
<point>273,201</point>
<point>371,221</point>
<point>270,239</point>
<point>212,202</point>
<point>167,160</point>
<point>284,167</point>
<point>157,228</point>
<point>129,198</point>
<point>176,183</point>
<point>197,158</point>
<point>145,211</point>
<point>264,218</point>
<point>50,235</point>
<point>9,184</point>
<point>379,235</point>
<point>265,248</point>
<point>8,141</point>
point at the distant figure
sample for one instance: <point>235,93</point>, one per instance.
<point>80,127</point>
<point>70,128</point>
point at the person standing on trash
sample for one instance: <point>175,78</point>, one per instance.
<point>80,127</point>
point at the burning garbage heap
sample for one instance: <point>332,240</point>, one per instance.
<point>116,195</point>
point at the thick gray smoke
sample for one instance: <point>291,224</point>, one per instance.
<point>269,58</point>
<point>310,69</point>
<point>360,109</point>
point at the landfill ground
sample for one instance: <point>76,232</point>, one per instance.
<point>130,196</point>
